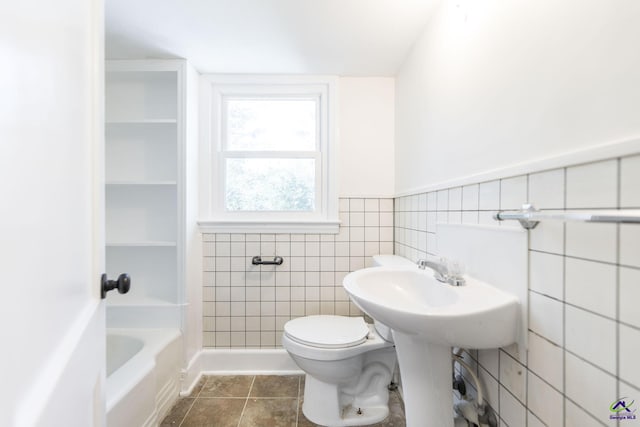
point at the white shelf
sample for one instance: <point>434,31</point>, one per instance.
<point>141,153</point>
<point>146,244</point>
<point>138,301</point>
<point>141,122</point>
<point>138,213</point>
<point>151,266</point>
<point>133,95</point>
<point>143,183</point>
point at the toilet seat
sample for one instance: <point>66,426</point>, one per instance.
<point>327,331</point>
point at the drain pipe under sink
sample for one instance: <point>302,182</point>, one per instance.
<point>473,412</point>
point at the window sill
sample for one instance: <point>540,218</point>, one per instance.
<point>270,227</point>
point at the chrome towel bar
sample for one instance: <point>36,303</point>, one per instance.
<point>257,260</point>
<point>529,216</point>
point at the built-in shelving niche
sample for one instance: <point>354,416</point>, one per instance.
<point>141,153</point>
<point>143,177</point>
<point>153,269</point>
<point>141,213</point>
<point>148,97</point>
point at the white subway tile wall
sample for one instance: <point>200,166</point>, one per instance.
<point>584,290</point>
<point>584,284</point>
<point>629,179</point>
<point>246,306</point>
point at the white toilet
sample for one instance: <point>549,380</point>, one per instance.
<point>349,364</point>
<point>348,367</point>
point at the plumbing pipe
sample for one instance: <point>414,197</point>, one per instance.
<point>470,412</point>
<point>467,410</point>
<point>457,351</point>
<point>396,374</point>
<point>460,422</point>
<point>476,380</point>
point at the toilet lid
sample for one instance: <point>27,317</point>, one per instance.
<point>327,331</point>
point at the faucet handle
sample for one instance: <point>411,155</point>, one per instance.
<point>455,268</point>
<point>422,264</point>
<point>455,271</point>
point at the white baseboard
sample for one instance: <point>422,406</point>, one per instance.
<point>190,376</point>
<point>237,362</point>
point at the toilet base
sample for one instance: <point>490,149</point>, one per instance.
<point>356,414</point>
<point>361,401</point>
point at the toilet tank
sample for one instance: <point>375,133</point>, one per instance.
<point>388,261</point>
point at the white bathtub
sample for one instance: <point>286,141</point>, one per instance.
<point>143,369</point>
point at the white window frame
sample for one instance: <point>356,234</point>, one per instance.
<point>214,90</point>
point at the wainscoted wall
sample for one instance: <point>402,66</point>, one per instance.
<point>584,290</point>
<point>246,306</point>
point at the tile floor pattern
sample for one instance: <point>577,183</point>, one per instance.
<point>254,401</point>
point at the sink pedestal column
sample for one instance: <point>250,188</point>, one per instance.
<point>426,371</point>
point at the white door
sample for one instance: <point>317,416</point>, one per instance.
<point>52,345</point>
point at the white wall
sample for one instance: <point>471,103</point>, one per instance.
<point>366,137</point>
<point>494,83</point>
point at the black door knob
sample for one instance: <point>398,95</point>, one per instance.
<point>123,284</point>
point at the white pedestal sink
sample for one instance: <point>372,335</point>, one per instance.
<point>428,318</point>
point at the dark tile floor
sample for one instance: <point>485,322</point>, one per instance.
<point>254,401</point>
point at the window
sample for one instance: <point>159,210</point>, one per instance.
<point>269,145</point>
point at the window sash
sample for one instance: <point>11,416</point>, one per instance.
<point>221,201</point>
<point>224,120</point>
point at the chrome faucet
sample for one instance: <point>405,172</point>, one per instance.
<point>440,269</point>
<point>443,271</point>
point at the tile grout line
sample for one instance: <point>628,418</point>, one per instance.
<point>298,403</point>
<point>586,411</point>
<point>618,245</point>
<point>246,266</point>
<point>193,403</point>
<point>564,307</point>
<point>539,377</point>
<point>587,310</point>
<point>225,398</point>
<point>246,400</point>
<point>593,364</point>
<point>252,397</point>
<point>187,413</point>
<point>206,380</point>
<point>527,372</point>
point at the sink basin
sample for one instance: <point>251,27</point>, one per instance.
<point>428,318</point>
<point>475,315</point>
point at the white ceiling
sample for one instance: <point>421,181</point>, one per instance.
<point>341,37</point>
